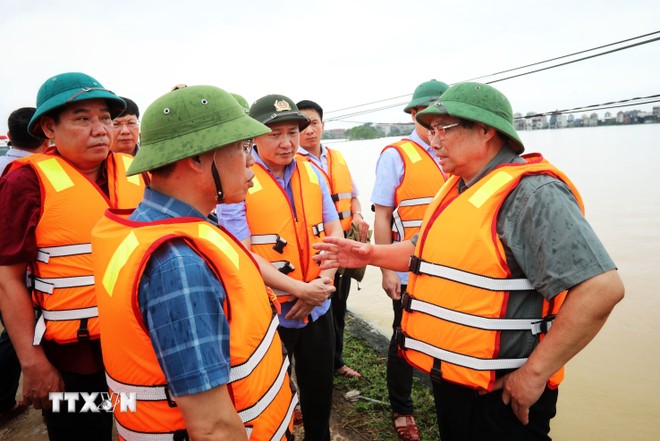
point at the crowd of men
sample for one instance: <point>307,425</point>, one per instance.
<point>190,259</point>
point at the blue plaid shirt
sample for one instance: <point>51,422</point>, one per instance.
<point>181,302</point>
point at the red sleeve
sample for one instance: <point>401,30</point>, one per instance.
<point>20,208</point>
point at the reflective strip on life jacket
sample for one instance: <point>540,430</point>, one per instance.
<point>336,197</point>
<point>479,364</point>
<point>344,214</point>
<point>142,393</point>
<point>267,239</point>
<point>535,326</point>
<point>44,254</point>
<point>47,285</point>
<point>257,409</point>
<point>241,371</point>
<point>59,316</point>
<point>419,266</point>
<point>399,225</point>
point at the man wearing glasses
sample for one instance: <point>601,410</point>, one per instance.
<point>126,129</point>
<point>288,209</point>
<point>49,203</point>
<point>407,177</point>
<point>508,279</point>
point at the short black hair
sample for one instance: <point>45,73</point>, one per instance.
<point>131,108</point>
<point>307,104</point>
<point>18,123</point>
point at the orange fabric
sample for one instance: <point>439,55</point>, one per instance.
<point>340,184</point>
<point>459,231</point>
<point>269,212</point>
<point>422,178</point>
<point>71,205</point>
<point>124,250</point>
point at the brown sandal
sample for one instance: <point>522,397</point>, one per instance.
<point>407,432</point>
<point>347,372</point>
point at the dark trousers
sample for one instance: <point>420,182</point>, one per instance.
<point>10,372</point>
<point>312,349</point>
<point>399,372</point>
<point>65,426</point>
<point>464,415</point>
<point>339,298</point>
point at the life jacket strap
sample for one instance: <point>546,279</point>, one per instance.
<point>344,214</point>
<point>266,239</point>
<point>318,229</point>
<point>241,371</point>
<point>479,364</point>
<point>283,266</point>
<point>336,197</point>
<point>48,285</point>
<point>44,254</point>
<point>420,266</point>
<point>59,316</point>
<point>535,325</point>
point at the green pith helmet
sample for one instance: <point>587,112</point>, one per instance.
<point>272,109</point>
<point>475,102</point>
<point>425,94</point>
<point>190,121</point>
<point>67,88</point>
<point>242,101</point>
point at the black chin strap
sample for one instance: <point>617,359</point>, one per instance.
<point>220,197</point>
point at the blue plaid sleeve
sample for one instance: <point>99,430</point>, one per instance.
<point>181,302</point>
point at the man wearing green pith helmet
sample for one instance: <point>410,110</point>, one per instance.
<point>188,324</point>
<point>508,280</point>
<point>49,203</point>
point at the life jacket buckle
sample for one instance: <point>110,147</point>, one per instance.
<point>543,326</point>
<point>279,245</point>
<point>172,403</point>
<point>406,301</point>
<point>83,331</point>
<point>180,435</point>
<point>287,268</point>
<point>414,264</point>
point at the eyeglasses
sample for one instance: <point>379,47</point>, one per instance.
<point>441,131</point>
<point>247,145</point>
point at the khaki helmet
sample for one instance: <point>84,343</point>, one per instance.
<point>425,94</point>
<point>475,102</point>
<point>189,121</point>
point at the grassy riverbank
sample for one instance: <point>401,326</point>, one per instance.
<point>364,419</point>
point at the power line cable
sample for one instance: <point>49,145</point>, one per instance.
<point>565,56</point>
<point>366,111</point>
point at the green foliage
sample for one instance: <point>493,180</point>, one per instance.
<point>369,419</point>
<point>365,131</point>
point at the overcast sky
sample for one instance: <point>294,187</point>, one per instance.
<point>338,53</point>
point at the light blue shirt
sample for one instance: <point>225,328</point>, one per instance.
<point>389,173</point>
<point>233,218</point>
<point>323,163</point>
<point>11,155</point>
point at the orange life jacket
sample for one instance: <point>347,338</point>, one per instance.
<point>259,384</point>
<point>422,178</point>
<point>283,238</point>
<point>340,184</point>
<point>456,306</point>
<point>61,277</point>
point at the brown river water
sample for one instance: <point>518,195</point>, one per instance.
<point>612,387</point>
